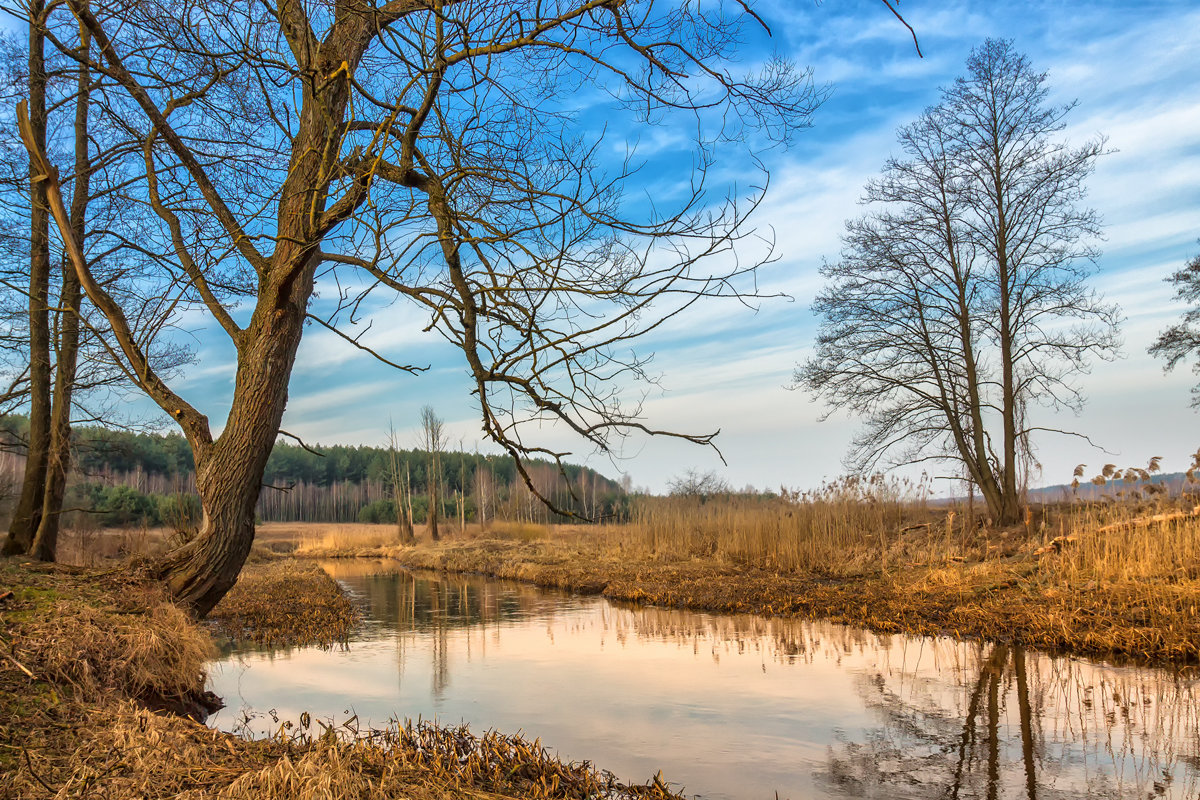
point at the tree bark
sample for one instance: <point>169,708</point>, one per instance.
<point>45,542</point>
<point>28,512</point>
<point>229,471</point>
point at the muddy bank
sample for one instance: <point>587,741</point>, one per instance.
<point>82,654</point>
<point>1011,600</point>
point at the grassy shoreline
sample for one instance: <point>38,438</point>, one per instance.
<point>1019,598</point>
<point>84,652</point>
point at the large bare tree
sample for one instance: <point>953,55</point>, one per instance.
<point>433,150</point>
<point>961,300</point>
<point>66,373</point>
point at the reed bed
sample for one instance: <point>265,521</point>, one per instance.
<point>841,528</point>
<point>1117,577</point>
<point>343,536</point>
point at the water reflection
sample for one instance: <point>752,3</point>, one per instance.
<point>735,706</point>
<point>1013,723</point>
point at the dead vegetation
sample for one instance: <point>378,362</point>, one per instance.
<point>1119,577</point>
<point>84,651</point>
<point>284,602</point>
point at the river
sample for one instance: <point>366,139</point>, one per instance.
<point>729,707</point>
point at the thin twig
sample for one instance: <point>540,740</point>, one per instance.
<point>301,441</point>
<point>36,777</point>
<point>904,22</point>
<point>21,667</point>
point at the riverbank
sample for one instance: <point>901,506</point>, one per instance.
<point>85,654</point>
<point>1046,600</point>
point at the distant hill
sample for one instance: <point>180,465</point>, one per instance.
<point>1174,481</point>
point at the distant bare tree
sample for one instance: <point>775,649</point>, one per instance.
<point>433,441</point>
<point>694,483</point>
<point>401,490</point>
<point>1181,341</point>
<point>961,298</point>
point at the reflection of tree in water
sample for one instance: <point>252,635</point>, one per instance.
<point>955,720</point>
<point>401,603</point>
<point>1011,724</point>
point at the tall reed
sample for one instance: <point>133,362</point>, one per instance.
<point>844,525</point>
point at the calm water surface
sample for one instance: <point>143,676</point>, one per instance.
<point>731,706</point>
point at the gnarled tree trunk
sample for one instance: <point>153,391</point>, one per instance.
<point>229,470</point>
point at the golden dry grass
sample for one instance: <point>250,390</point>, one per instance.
<point>338,536</point>
<point>130,640</point>
<point>283,602</point>
<point>80,647</point>
<point>1097,580</point>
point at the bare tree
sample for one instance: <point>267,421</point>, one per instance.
<point>58,457</point>
<point>401,490</point>
<point>433,442</point>
<point>431,150</point>
<point>26,517</point>
<point>1181,341</point>
<point>962,299</point>
<point>694,483</point>
<point>66,372</point>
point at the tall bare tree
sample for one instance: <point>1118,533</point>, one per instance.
<point>432,150</point>
<point>433,441</point>
<point>401,490</point>
<point>28,512</point>
<point>58,456</point>
<point>961,300</point>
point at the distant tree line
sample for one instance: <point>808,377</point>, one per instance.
<point>123,477</point>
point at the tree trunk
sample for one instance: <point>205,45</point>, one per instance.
<point>408,504</point>
<point>1010,508</point>
<point>229,470</point>
<point>28,512</point>
<point>434,499</point>
<point>45,543</point>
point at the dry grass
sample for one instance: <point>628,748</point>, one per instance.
<point>311,537</point>
<point>284,602</point>
<point>842,528</point>
<point>137,754</point>
<point>78,648</point>
<point>339,540</point>
<point>515,531</point>
<point>89,547</point>
<point>130,640</point>
<point>1096,580</point>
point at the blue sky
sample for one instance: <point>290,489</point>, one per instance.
<point>1132,68</point>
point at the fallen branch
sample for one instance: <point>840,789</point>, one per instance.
<point>21,667</point>
<point>1150,520</point>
